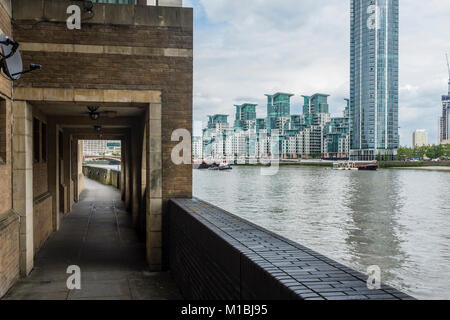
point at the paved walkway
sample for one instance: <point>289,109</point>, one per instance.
<point>98,237</point>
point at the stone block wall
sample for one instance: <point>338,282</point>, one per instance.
<point>9,221</point>
<point>5,119</point>
<point>9,251</point>
<point>40,182</point>
<point>5,164</point>
<point>42,200</point>
<point>42,220</point>
<point>5,27</point>
<point>115,178</point>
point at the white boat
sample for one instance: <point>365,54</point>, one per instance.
<point>350,165</point>
<point>223,166</point>
<point>344,166</point>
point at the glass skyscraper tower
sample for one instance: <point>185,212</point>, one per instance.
<point>374,79</point>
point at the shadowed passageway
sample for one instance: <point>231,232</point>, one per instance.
<point>98,237</point>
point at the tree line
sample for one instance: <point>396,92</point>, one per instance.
<point>432,152</point>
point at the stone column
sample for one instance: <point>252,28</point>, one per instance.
<point>122,168</point>
<point>127,168</point>
<point>143,203</point>
<point>67,171</point>
<point>80,169</point>
<point>154,187</point>
<point>53,169</point>
<point>23,181</point>
<point>135,172</point>
<point>74,170</point>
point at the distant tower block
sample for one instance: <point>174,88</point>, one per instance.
<point>420,138</point>
<point>444,121</point>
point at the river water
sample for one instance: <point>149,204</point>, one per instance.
<point>396,219</point>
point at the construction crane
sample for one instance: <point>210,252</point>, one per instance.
<point>448,65</point>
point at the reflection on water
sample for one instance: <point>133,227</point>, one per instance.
<point>396,219</point>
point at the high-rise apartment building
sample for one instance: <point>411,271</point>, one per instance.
<point>197,148</point>
<point>245,116</point>
<point>314,107</point>
<point>374,79</point>
<point>444,121</point>
<point>312,134</point>
<point>214,135</point>
<point>278,110</point>
<point>218,121</point>
<point>260,124</point>
<point>336,136</point>
<point>101,147</point>
<point>420,138</point>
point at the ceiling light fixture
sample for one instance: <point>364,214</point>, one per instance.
<point>93,114</point>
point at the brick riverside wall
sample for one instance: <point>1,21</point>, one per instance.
<point>115,178</point>
<point>217,255</point>
<point>102,175</point>
<point>9,251</point>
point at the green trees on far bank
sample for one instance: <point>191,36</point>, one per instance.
<point>432,152</point>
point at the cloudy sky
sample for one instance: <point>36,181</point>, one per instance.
<point>245,49</point>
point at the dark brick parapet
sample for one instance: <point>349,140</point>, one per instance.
<point>217,255</point>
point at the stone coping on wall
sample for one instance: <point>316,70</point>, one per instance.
<point>7,218</point>
<point>114,14</point>
<point>269,266</point>
<point>6,4</point>
<point>87,95</point>
<point>41,198</point>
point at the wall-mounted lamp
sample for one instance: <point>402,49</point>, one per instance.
<point>11,60</point>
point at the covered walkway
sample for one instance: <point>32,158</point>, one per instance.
<point>97,236</point>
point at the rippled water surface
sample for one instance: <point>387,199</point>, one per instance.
<point>396,219</point>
